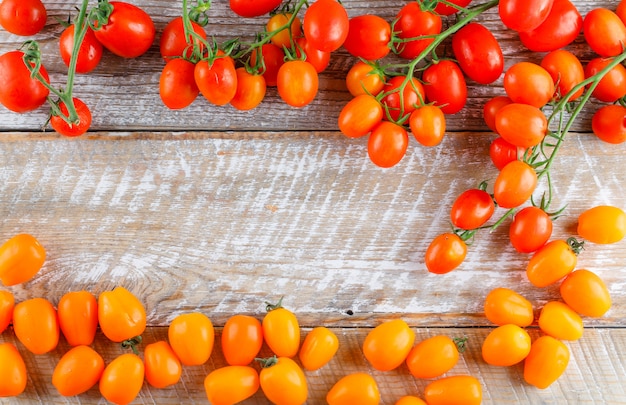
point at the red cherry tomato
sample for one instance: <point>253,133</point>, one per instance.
<point>522,125</point>
<point>319,59</point>
<point>445,9</point>
<point>217,81</point>
<point>515,184</point>
<point>503,152</point>
<point>387,144</point>
<point>560,28</point>
<point>428,125</point>
<point>272,58</point>
<point>400,101</point>
<point>129,32</point>
<point>326,25</point>
<point>76,129</point>
<point>524,15</point>
<point>177,84</point>
<point>612,86</point>
<point>23,17</point>
<point>173,43</point>
<point>19,92</point>
<point>566,71</point>
<point>363,78</point>
<point>412,22</point>
<point>609,123</point>
<point>530,229</point>
<point>368,37</point>
<point>360,116</point>
<point>491,108</point>
<point>297,83</point>
<point>478,53</point>
<point>472,209</point>
<point>253,8</point>
<point>89,53</point>
<point>604,32</point>
<point>528,83</point>
<point>445,253</point>
<point>445,86</point>
<point>251,89</point>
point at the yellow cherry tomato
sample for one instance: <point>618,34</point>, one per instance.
<point>602,224</point>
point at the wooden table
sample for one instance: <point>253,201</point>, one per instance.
<point>214,210</point>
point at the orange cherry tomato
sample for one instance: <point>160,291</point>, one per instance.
<point>162,366</point>
<point>356,388</point>
<point>566,71</point>
<point>552,262</point>
<point>297,83</point>
<point>251,89</point>
<point>387,144</point>
<point>283,381</point>
<point>7,303</point>
<point>608,123</point>
<point>231,384</point>
<point>21,257</point>
<point>560,321</point>
<point>122,379</point>
<point>432,357</point>
<point>505,306</point>
<point>363,78</point>
<point>360,116</point>
<point>284,37</point>
<point>388,344</point>
<point>121,315</point>
<point>191,336</point>
<point>13,376</point>
<point>77,371</point>
<point>445,253</point>
<point>36,325</point>
<point>281,330</point>
<point>319,347</point>
<point>428,125</point>
<point>506,345</point>
<point>547,360</point>
<point>78,317</point>
<point>528,83</point>
<point>602,224</point>
<point>586,293</point>
<point>471,209</point>
<point>242,338</point>
<point>457,389</point>
<point>410,400</point>
<point>521,125</point>
<point>515,183</point>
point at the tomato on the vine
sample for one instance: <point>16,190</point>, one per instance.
<point>547,360</point>
<point>445,253</point>
<point>19,92</point>
<point>173,43</point>
<point>552,262</point>
<point>504,306</point>
<point>284,37</point>
<point>363,78</point>
<point>242,338</point>
<point>400,101</point>
<point>319,59</point>
<point>448,8</point>
<point>251,89</point>
<point>602,224</point>
<point>122,379</point>
<point>78,317</point>
<point>491,108</point>
<point>269,59</point>
<point>89,53</point>
<point>478,53</point>
<point>217,79</point>
<point>162,366</point>
<point>319,347</point>
<point>326,25</point>
<point>77,371</point>
<point>281,330</point>
<point>560,321</point>
<point>428,125</point>
<point>36,325</point>
<point>355,388</point>
<point>471,209</point>
<point>521,125</point>
<point>360,116</point>
<point>523,15</point>
<point>388,344</point>
<point>432,357</point>
<point>503,152</point>
<point>177,84</point>
<point>559,29</point>
<point>7,303</point>
<point>605,32</point>
<point>410,23</point>
<point>612,86</point>
<point>585,292</point>
<point>528,83</point>
<point>13,374</point>
<point>530,229</point>
<point>609,123</point>
<point>231,384</point>
<point>456,389</point>
<point>283,381</point>
<point>129,32</point>
<point>368,37</point>
<point>444,85</point>
<point>75,129</point>
<point>23,17</point>
<point>515,183</point>
<point>566,71</point>
<point>21,257</point>
<point>506,345</point>
<point>387,144</point>
<point>253,8</point>
<point>191,336</point>
<point>297,83</point>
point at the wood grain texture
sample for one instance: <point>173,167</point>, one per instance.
<point>596,363</point>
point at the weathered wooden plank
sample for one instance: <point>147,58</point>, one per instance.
<point>595,374</point>
<point>223,222</point>
<point>123,94</point>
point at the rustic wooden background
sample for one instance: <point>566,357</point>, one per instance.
<point>215,210</point>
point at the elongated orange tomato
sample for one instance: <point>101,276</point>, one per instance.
<point>162,366</point>
<point>360,116</point>
<point>445,253</point>
<point>410,400</point>
<point>7,303</point>
<point>506,345</point>
<point>515,183</point>
<point>602,224</point>
<point>560,321</point>
<point>191,336</point>
<point>231,384</point>
<point>77,371</point>
<point>21,257</point>
<point>505,306</point>
<point>121,315</point>
<point>78,317</point>
<point>585,292</point>
<point>432,357</point>
<point>242,339</point>
<point>356,388</point>
<point>281,330</point>
<point>547,360</point>
<point>318,348</point>
<point>122,379</point>
<point>387,345</point>
<point>36,325</point>
<point>251,89</point>
<point>13,376</point>
<point>553,261</point>
<point>521,125</point>
<point>283,381</point>
<point>457,389</point>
